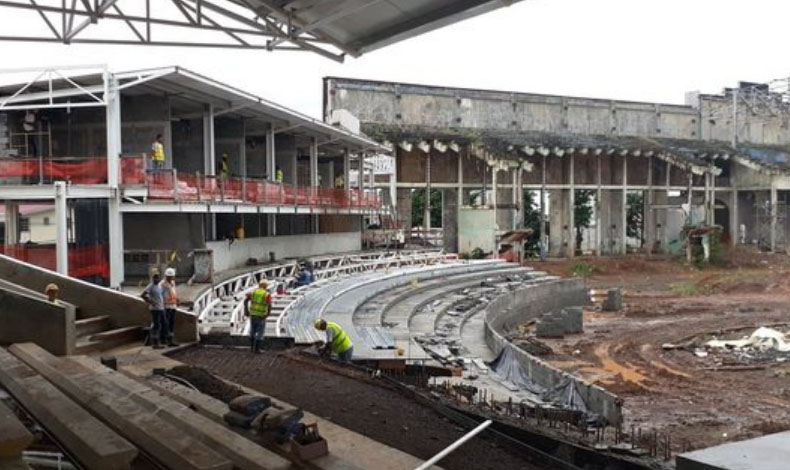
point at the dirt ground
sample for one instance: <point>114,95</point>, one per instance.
<point>357,402</point>
<point>704,401</point>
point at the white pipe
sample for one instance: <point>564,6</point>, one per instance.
<point>453,446</point>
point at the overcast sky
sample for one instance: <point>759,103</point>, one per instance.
<point>646,50</point>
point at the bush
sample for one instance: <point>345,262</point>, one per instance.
<point>582,269</point>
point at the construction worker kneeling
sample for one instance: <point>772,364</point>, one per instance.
<point>257,306</point>
<point>337,341</point>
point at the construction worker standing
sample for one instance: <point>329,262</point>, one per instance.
<point>158,154</point>
<point>171,303</point>
<point>279,176</point>
<point>224,167</point>
<point>337,341</point>
<point>257,306</point>
<point>155,298</point>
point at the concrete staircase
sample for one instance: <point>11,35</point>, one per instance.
<point>96,334</point>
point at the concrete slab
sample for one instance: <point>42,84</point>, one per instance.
<point>770,452</point>
<point>91,442</point>
<point>245,454</point>
<point>158,438</point>
<point>345,446</point>
<point>14,436</point>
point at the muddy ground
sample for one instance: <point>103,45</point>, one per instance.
<point>357,402</point>
<point>703,401</point>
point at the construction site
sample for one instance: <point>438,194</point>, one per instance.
<point>526,281</point>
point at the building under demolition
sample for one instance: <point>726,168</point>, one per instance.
<point>238,169</point>
<point>717,160</point>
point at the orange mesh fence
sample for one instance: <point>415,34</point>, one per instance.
<point>86,261</point>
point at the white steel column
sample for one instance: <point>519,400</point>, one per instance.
<point>11,223</point>
<point>314,177</point>
<point>243,160</point>
<point>114,215</point>
<point>209,157</point>
<point>271,169</point>
<point>61,229</point>
<point>347,169</point>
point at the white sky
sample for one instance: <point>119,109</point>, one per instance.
<point>646,50</point>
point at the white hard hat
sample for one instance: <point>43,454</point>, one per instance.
<point>170,272</point>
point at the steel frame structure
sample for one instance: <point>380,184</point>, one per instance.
<point>221,306</point>
<point>244,25</point>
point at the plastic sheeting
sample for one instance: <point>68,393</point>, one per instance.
<point>508,367</point>
<point>762,339</point>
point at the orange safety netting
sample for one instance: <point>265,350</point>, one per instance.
<point>85,261</point>
<point>78,171</point>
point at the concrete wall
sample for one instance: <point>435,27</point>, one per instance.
<point>92,300</point>
<point>509,310</point>
<point>228,256</point>
<point>476,229</point>
<point>27,316</point>
<point>181,232</point>
<point>398,103</point>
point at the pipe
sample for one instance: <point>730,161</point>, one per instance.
<point>453,446</point>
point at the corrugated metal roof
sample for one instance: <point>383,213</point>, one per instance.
<point>360,26</point>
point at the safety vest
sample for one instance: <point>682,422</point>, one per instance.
<point>279,176</point>
<point>225,170</point>
<point>259,307</point>
<point>340,340</point>
<point>159,152</point>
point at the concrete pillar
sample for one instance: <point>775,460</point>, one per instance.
<point>271,165</point>
<point>598,212</point>
<point>558,222</point>
<point>773,217</point>
<point>209,156</point>
<point>450,219</point>
<point>61,228</point>
<point>404,210</point>
<point>624,210</point>
<point>514,189</point>
<point>542,227</point>
<point>347,168</point>
<point>426,221</point>
<point>571,248</point>
<point>313,154</point>
<point>167,135</point>
<point>733,212</point>
<point>11,223</point>
<point>243,159</point>
<point>114,215</point>
<point>649,214</point>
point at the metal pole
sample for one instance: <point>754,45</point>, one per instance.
<point>453,446</point>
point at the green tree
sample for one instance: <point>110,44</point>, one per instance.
<point>635,216</point>
<point>532,222</point>
<point>418,207</point>
<point>582,213</point>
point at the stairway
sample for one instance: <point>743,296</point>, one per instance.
<point>96,334</point>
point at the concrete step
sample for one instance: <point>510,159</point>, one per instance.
<point>245,454</point>
<point>109,339</point>
<point>86,438</point>
<point>141,425</point>
<point>89,326</point>
<point>14,436</point>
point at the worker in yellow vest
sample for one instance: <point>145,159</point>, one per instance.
<point>224,167</point>
<point>158,154</point>
<point>279,176</point>
<point>337,341</point>
<point>257,306</point>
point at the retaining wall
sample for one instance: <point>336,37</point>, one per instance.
<point>92,300</point>
<point>27,316</point>
<point>509,310</point>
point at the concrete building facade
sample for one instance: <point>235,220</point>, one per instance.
<point>719,159</point>
<point>236,167</point>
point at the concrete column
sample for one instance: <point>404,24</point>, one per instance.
<point>61,228</point>
<point>571,248</point>
<point>313,153</point>
<point>558,223</point>
<point>706,198</point>
<point>347,169</point>
<point>598,213</point>
<point>734,220</point>
<point>271,166</point>
<point>271,162</point>
<point>114,215</point>
<point>542,227</point>
<point>773,217</point>
<point>494,188</point>
<point>624,212</point>
<point>209,156</point>
<point>404,210</point>
<point>515,188</point>
<point>649,214</point>
<point>11,223</point>
<point>243,159</point>
<point>426,221</point>
<point>450,204</point>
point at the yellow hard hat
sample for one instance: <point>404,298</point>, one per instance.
<point>51,287</point>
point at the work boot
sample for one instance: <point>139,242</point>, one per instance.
<point>171,343</point>
<point>157,345</point>
<point>252,346</point>
<point>257,347</point>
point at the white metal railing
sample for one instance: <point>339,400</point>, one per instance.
<point>233,290</point>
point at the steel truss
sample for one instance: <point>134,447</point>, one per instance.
<point>235,24</point>
<point>221,308</point>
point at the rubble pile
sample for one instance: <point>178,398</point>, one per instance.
<point>763,345</point>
